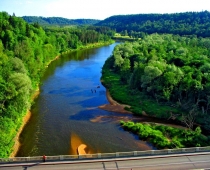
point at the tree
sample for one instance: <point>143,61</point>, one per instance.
<point>18,90</point>
<point>9,39</point>
<point>189,119</point>
<point>18,65</point>
<point>150,73</point>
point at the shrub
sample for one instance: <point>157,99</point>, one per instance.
<point>167,137</point>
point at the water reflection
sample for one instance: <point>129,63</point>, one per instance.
<point>67,109</point>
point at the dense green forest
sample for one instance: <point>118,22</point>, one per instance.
<point>188,23</point>
<point>59,21</point>
<point>25,50</point>
<point>165,76</point>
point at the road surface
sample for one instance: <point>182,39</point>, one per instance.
<point>175,162</point>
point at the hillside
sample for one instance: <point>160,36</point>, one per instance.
<point>44,21</point>
<point>188,23</point>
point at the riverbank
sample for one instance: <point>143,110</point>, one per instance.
<point>88,46</point>
<point>17,144</point>
<point>25,120</point>
<point>165,137</point>
<point>113,105</point>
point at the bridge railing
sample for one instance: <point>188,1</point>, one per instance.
<point>106,155</point>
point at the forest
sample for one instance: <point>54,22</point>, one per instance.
<point>164,76</point>
<point>25,51</point>
<point>187,23</point>
<point>58,21</point>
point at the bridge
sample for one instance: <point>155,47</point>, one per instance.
<point>184,158</point>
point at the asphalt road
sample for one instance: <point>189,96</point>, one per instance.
<point>178,162</point>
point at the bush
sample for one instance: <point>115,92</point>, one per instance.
<point>167,137</point>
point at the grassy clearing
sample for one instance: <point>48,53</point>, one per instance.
<point>118,36</point>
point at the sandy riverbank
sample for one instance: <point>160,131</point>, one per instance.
<point>25,120</point>
<point>114,106</point>
<point>17,137</point>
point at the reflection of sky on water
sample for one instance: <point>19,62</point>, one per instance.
<point>68,102</point>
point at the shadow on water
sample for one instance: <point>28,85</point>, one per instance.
<point>66,111</point>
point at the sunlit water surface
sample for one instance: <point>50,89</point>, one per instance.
<point>71,92</point>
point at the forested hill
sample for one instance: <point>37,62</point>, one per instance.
<point>59,21</point>
<point>187,23</point>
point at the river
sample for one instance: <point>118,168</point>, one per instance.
<point>64,114</point>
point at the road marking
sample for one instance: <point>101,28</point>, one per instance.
<point>117,165</point>
<point>166,164</point>
<point>104,165</point>
<point>190,161</point>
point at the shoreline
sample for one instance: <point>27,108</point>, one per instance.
<point>113,105</point>
<point>25,120</point>
<point>17,144</point>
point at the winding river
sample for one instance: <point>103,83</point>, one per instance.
<point>66,111</point>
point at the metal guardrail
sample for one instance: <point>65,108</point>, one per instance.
<point>106,155</point>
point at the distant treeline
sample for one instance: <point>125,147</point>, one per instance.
<point>188,23</point>
<point>25,50</point>
<point>46,21</point>
<point>136,26</point>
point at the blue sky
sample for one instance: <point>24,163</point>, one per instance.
<point>99,9</point>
